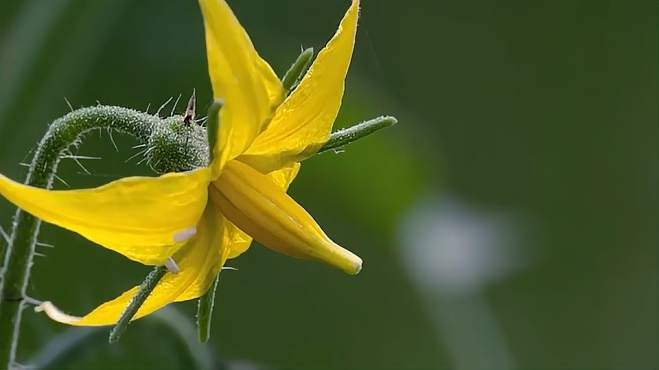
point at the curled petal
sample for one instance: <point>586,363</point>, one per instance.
<point>241,78</point>
<point>199,263</point>
<point>143,218</point>
<point>303,122</point>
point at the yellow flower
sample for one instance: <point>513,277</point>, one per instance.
<point>202,217</point>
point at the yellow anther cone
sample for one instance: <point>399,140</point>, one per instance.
<point>260,208</point>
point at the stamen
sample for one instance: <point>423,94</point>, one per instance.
<point>171,265</point>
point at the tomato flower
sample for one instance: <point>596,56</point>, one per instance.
<point>200,218</point>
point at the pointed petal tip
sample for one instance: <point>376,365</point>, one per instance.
<point>303,122</point>
<point>55,313</point>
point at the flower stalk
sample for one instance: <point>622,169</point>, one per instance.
<point>62,134</point>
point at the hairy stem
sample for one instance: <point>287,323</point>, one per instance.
<point>63,133</point>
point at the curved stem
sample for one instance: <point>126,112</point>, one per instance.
<point>63,133</point>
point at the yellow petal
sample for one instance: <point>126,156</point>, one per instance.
<point>143,218</point>
<point>219,248</point>
<point>302,124</point>
<point>245,82</point>
<point>255,204</point>
<point>238,240</point>
<point>199,261</point>
<point>283,177</point>
<point>272,83</point>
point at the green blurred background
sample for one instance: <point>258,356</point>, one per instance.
<point>508,222</point>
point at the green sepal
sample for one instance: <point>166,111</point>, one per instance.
<point>213,126</point>
<point>146,288</point>
<point>297,70</point>
<point>205,312</point>
<point>353,133</point>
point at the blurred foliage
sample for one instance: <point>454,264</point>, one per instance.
<point>544,109</point>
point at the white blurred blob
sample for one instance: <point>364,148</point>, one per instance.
<point>457,249</point>
<point>452,252</point>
